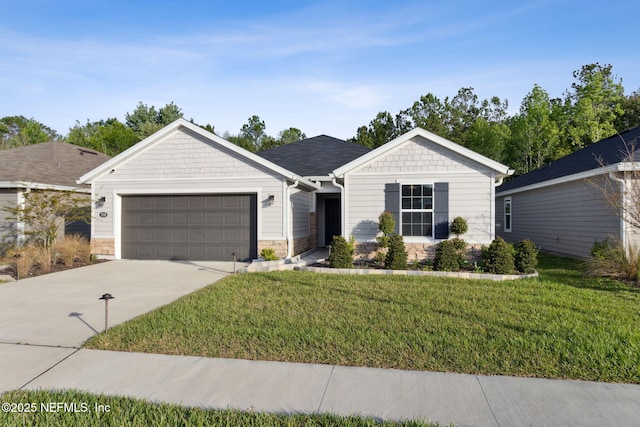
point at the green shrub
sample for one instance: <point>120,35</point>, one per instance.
<point>446,257</point>
<point>386,225</point>
<point>396,258</point>
<point>460,245</point>
<point>459,226</point>
<point>526,258</point>
<point>341,255</point>
<point>498,257</point>
<point>599,249</point>
<point>268,254</point>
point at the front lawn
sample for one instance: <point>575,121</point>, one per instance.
<point>561,325</point>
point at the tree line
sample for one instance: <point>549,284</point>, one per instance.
<point>544,128</point>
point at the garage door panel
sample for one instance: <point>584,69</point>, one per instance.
<point>195,218</point>
<point>163,218</point>
<point>196,235</point>
<point>179,235</point>
<point>179,202</point>
<point>147,203</point>
<point>214,235</point>
<point>214,218</point>
<point>215,202</point>
<point>231,219</point>
<point>197,252</point>
<point>179,218</point>
<point>196,227</point>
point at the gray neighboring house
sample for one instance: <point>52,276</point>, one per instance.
<point>52,165</point>
<point>185,193</point>
<point>559,208</point>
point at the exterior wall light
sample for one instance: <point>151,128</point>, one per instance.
<point>272,199</point>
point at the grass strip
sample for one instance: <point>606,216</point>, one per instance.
<point>79,409</point>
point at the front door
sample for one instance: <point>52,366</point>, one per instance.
<point>332,220</point>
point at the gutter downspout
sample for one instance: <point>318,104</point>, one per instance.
<point>342,204</point>
<point>623,225</point>
<point>289,221</point>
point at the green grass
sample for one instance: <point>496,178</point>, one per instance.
<point>561,325</point>
<point>132,412</point>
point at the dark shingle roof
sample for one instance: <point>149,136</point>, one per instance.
<point>53,162</point>
<point>608,151</point>
<point>317,156</point>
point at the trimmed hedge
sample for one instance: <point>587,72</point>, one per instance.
<point>396,258</point>
<point>498,257</point>
<point>341,255</point>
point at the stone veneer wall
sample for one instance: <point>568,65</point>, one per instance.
<point>280,246</point>
<point>415,251</point>
<point>103,247</point>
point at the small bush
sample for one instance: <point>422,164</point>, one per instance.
<point>268,254</point>
<point>446,257</point>
<point>599,249</point>
<point>459,226</point>
<point>386,225</point>
<point>611,259</point>
<point>498,257</point>
<point>341,255</point>
<point>73,247</point>
<point>396,258</point>
<point>526,258</point>
<point>23,259</point>
<point>43,258</point>
<point>460,245</point>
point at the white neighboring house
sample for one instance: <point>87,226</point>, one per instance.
<point>185,193</point>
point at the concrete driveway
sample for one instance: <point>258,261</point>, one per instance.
<point>63,310</point>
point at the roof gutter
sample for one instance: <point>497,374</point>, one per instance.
<point>343,202</point>
<point>289,219</point>
<point>623,225</point>
<point>41,186</point>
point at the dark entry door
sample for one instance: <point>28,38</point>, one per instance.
<point>332,220</point>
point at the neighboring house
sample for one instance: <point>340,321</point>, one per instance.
<point>51,165</point>
<point>185,193</point>
<point>559,206</point>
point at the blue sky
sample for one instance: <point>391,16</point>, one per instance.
<point>323,67</point>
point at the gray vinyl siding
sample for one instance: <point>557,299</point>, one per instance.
<point>469,197</point>
<point>564,219</point>
<point>184,163</point>
<point>8,197</point>
<point>301,205</point>
<point>421,162</point>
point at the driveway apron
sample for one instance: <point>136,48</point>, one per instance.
<point>63,309</point>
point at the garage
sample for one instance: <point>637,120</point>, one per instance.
<point>189,227</point>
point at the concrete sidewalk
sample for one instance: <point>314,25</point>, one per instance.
<point>464,400</point>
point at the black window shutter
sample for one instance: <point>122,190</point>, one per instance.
<point>441,210</point>
<point>392,202</point>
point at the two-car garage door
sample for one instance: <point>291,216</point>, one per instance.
<point>189,227</point>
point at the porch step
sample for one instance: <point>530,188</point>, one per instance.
<point>306,258</point>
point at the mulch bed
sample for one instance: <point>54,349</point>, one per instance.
<point>37,271</point>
